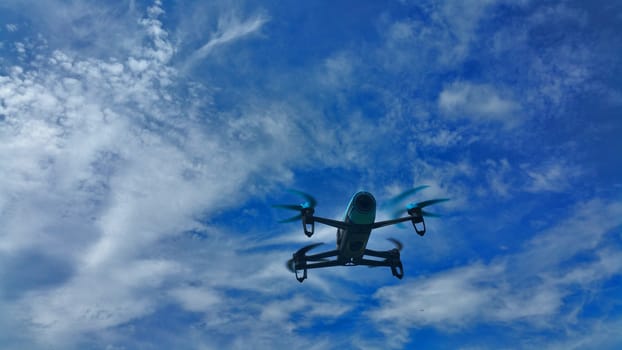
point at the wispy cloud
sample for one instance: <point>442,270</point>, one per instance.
<point>498,174</point>
<point>230,29</point>
<point>479,103</point>
<point>11,27</point>
<point>447,35</point>
<point>553,176</point>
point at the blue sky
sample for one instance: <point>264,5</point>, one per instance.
<point>143,142</point>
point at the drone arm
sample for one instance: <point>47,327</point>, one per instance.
<point>391,259</point>
<point>300,261</point>
<point>379,254</point>
<point>374,263</point>
<point>317,265</point>
<point>319,256</point>
<point>391,222</point>
<point>329,222</point>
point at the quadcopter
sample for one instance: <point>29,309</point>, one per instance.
<point>353,233</point>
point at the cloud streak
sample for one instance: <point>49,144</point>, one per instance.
<point>479,103</point>
<point>230,29</point>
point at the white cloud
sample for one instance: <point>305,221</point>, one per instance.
<point>529,286</point>
<point>497,175</point>
<point>282,310</point>
<point>434,300</point>
<point>553,176</point>
<point>96,300</point>
<point>20,48</point>
<point>461,19</point>
<point>444,37</point>
<point>230,28</point>
<point>551,74</point>
<point>595,335</point>
<point>558,12</point>
<point>445,178</point>
<point>478,102</point>
<point>337,70</point>
<point>196,299</point>
<point>110,163</point>
<point>443,138</point>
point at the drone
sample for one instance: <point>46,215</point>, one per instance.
<point>353,233</point>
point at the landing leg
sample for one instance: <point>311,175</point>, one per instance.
<point>391,259</point>
<point>300,262</point>
<point>303,277</point>
<point>397,269</point>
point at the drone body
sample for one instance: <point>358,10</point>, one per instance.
<point>353,234</point>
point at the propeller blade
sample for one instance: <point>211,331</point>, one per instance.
<point>397,243</point>
<point>304,250</point>
<point>430,215</point>
<point>310,201</point>
<point>290,265</point>
<point>420,205</point>
<point>319,260</point>
<point>426,203</point>
<point>292,219</point>
<point>288,206</point>
<point>400,197</point>
<point>398,213</point>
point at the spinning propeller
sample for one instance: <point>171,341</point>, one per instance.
<point>398,245</point>
<point>421,205</point>
<point>415,207</point>
<point>307,206</point>
<point>400,197</point>
<point>301,252</point>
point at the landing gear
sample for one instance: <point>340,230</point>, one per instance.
<point>417,218</point>
<point>391,259</point>
<point>396,264</point>
<point>308,224</point>
<point>302,277</point>
<point>300,262</point>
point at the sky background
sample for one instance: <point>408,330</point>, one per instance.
<point>143,142</point>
